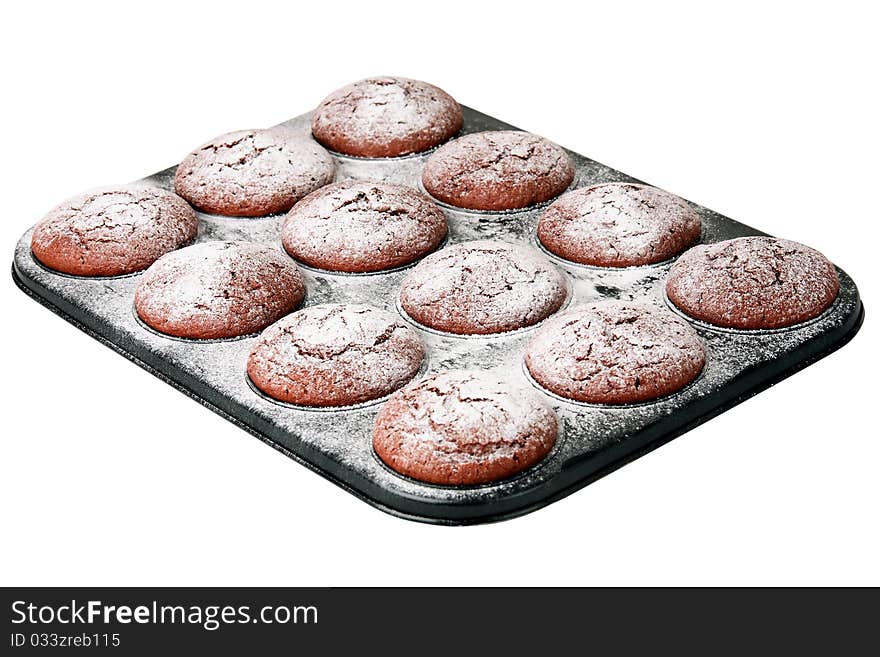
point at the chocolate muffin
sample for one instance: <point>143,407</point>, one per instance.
<point>463,428</point>
<point>497,170</point>
<point>216,290</point>
<point>752,283</point>
<point>618,225</point>
<point>334,355</point>
<point>362,227</point>
<point>483,287</point>
<point>113,230</point>
<point>386,117</point>
<point>253,173</point>
<point>615,353</point>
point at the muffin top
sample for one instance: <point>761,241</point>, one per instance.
<point>615,353</point>
<point>360,226</point>
<point>219,289</point>
<point>335,354</point>
<point>497,170</point>
<point>463,428</point>
<point>618,225</point>
<point>752,283</point>
<point>483,287</point>
<point>386,117</point>
<point>253,173</point>
<point>113,230</point>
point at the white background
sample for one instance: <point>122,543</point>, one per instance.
<point>768,115</point>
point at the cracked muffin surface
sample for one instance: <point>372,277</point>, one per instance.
<point>463,427</point>
<point>615,353</point>
<point>497,170</point>
<point>253,173</point>
<point>361,226</point>
<point>217,290</point>
<point>753,283</point>
<point>483,287</point>
<point>113,230</point>
<point>618,225</point>
<point>335,355</point>
<point>386,117</point>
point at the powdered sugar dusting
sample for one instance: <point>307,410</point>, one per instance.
<point>497,170</point>
<point>359,226</point>
<point>753,282</point>
<point>463,427</point>
<point>113,230</point>
<point>218,289</point>
<point>482,287</point>
<point>618,225</point>
<point>253,172</point>
<point>615,352</point>
<point>386,117</point>
<point>335,354</point>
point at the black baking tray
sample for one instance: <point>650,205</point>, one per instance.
<point>595,440</point>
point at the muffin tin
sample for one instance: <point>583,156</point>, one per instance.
<point>336,443</point>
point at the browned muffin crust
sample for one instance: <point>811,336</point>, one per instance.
<point>618,225</point>
<point>615,353</point>
<point>753,283</point>
<point>335,355</point>
<point>113,230</point>
<point>253,173</point>
<point>358,226</point>
<point>483,287</point>
<point>497,170</point>
<point>216,290</point>
<point>463,428</point>
<point>386,117</point>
